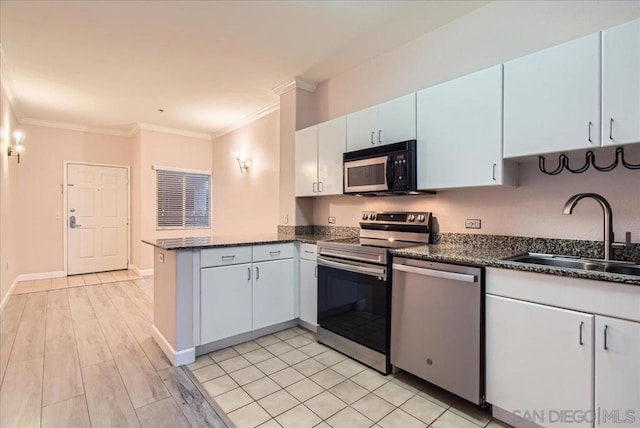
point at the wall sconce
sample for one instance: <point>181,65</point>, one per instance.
<point>18,147</point>
<point>243,162</point>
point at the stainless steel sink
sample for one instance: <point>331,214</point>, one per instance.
<point>625,268</point>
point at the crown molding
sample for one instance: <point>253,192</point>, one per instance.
<point>73,127</point>
<point>150,127</point>
<point>6,82</point>
<point>247,119</point>
<point>298,83</point>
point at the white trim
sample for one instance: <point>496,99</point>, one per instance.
<point>66,208</point>
<point>40,275</point>
<point>5,299</point>
<point>150,127</point>
<point>74,127</point>
<point>176,169</point>
<point>141,272</point>
<point>247,120</point>
<point>299,83</point>
<point>177,358</point>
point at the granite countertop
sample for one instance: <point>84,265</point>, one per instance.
<point>193,243</point>
<point>491,256</point>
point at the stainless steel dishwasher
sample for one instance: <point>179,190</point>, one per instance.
<point>437,328</point>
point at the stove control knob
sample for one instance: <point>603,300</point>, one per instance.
<point>421,218</point>
<point>412,217</point>
<point>365,216</point>
<point>372,216</point>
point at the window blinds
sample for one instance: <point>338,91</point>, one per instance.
<point>183,200</point>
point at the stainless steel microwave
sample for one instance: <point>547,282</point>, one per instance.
<point>381,170</point>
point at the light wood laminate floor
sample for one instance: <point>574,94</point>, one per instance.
<point>77,355</point>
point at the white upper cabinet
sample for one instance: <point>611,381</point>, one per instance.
<point>307,161</point>
<point>319,152</point>
<point>386,123</point>
<point>621,84</point>
<point>332,142</point>
<point>460,133</point>
<point>552,99</point>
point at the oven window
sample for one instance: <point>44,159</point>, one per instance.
<point>355,306</point>
<point>366,175</point>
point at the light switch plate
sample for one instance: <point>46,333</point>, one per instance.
<point>331,220</point>
<point>472,223</point>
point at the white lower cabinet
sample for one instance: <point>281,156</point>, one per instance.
<point>273,293</point>
<point>617,372</point>
<point>539,359</point>
<point>309,291</point>
<point>225,302</point>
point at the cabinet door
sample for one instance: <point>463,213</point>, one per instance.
<point>460,132</point>
<point>273,293</point>
<point>225,302</point>
<point>307,161</point>
<point>309,291</point>
<point>361,129</point>
<point>396,120</point>
<point>617,372</point>
<point>535,360</point>
<point>552,99</point>
<point>621,84</point>
<point>332,142</point>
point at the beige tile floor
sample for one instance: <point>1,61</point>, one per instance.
<point>24,287</point>
<point>84,357</point>
<point>289,380</point>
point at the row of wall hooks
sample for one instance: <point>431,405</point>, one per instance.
<point>563,163</point>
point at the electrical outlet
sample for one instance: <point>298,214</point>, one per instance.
<point>284,218</point>
<point>472,223</point>
<point>332,220</point>
<point>161,258</point>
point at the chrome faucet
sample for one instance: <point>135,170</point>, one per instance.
<point>609,243</point>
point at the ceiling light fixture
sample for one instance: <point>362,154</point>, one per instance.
<point>18,147</point>
<point>243,162</point>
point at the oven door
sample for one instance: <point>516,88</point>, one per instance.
<point>354,301</point>
<point>367,175</point>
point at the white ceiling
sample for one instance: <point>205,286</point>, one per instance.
<point>110,64</point>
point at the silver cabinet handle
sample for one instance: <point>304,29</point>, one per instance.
<point>606,327</point>
<point>610,131</point>
<point>494,171</point>
<point>581,324</point>
<point>372,132</point>
<point>590,123</point>
<point>314,187</point>
<point>380,136</point>
<point>228,257</point>
<point>248,274</point>
<point>320,187</point>
<point>274,253</point>
<point>309,252</point>
<point>316,271</point>
<point>435,273</point>
<point>257,273</point>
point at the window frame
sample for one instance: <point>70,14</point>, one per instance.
<point>184,173</point>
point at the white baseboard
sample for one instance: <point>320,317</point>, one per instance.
<point>41,275</point>
<point>177,358</point>
<point>141,272</point>
<point>5,299</point>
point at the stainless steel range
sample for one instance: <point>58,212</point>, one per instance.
<point>354,284</point>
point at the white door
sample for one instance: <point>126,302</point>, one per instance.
<point>332,141</point>
<point>621,84</point>
<point>362,129</point>
<point>306,165</point>
<point>552,99</point>
<point>273,293</point>
<point>225,302</point>
<point>538,358</point>
<point>617,372</point>
<point>397,120</point>
<point>309,291</point>
<point>97,217</point>
<point>460,132</point>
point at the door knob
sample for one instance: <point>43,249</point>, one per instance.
<point>72,222</point>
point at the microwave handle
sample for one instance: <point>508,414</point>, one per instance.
<point>389,172</point>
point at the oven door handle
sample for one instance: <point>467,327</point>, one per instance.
<point>435,273</point>
<point>389,173</point>
<point>380,272</point>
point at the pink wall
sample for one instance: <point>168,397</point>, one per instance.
<point>245,204</point>
<point>8,199</point>
<point>41,172</point>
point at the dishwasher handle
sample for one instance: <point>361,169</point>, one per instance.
<point>436,273</point>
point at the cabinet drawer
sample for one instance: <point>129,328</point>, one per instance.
<point>224,256</point>
<point>308,252</point>
<point>272,252</point>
